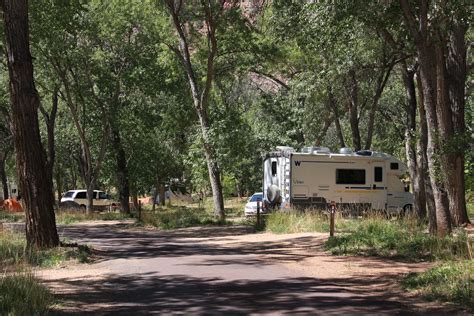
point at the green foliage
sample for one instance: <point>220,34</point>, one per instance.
<point>405,238</point>
<point>66,218</point>
<point>451,281</point>
<point>11,217</point>
<point>13,252</point>
<point>22,294</point>
<point>179,217</point>
<point>295,222</point>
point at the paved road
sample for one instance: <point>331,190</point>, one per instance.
<point>206,271</point>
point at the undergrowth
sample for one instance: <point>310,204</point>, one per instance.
<point>14,252</point>
<point>71,217</point>
<point>179,217</point>
<point>451,281</point>
<point>22,294</point>
<point>405,238</point>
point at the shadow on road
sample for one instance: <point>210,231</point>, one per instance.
<point>144,293</point>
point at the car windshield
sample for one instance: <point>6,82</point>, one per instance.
<point>69,194</point>
<point>255,198</point>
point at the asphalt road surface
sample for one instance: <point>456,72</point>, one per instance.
<point>220,271</point>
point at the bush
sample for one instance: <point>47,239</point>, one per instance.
<point>405,238</point>
<point>178,217</point>
<point>23,295</point>
<point>450,281</point>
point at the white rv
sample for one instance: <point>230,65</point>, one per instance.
<point>315,177</point>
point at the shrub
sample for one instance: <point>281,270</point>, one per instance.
<point>23,295</point>
<point>179,217</point>
<point>71,217</point>
<point>450,281</point>
<point>400,238</point>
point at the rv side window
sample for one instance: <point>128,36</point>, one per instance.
<point>394,166</point>
<point>378,177</point>
<point>350,176</point>
<point>274,168</point>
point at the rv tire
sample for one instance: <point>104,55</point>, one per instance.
<point>407,209</point>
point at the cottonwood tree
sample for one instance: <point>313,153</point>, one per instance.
<point>208,12</point>
<point>438,33</point>
<point>35,185</point>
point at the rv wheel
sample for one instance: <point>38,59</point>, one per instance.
<point>407,209</point>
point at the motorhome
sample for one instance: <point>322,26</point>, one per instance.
<point>316,177</point>
<point>12,188</point>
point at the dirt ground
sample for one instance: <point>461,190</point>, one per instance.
<point>217,270</point>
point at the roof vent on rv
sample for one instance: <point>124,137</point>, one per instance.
<point>345,150</point>
<point>364,153</point>
<point>315,150</point>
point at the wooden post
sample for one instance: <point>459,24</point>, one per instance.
<point>331,218</point>
<point>258,214</point>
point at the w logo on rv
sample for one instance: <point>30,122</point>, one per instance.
<point>297,163</point>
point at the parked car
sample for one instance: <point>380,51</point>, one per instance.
<point>251,206</point>
<point>101,201</point>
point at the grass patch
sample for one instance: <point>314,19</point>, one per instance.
<point>179,217</point>
<point>406,238</point>
<point>11,217</point>
<point>304,222</point>
<point>71,217</point>
<point>450,281</point>
<point>22,294</point>
<point>14,252</point>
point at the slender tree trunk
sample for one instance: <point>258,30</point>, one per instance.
<point>121,171</point>
<point>353,110</point>
<point>456,71</point>
<point>381,82</point>
<point>162,194</point>
<point>323,131</point>
<point>35,186</point>
<point>3,175</point>
<point>422,161</point>
<point>90,198</point>
<point>59,184</point>
<point>333,107</point>
<point>417,178</point>
<point>213,169</point>
<point>155,193</point>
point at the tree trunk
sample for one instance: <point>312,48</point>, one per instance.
<point>323,131</point>
<point>3,175</point>
<point>213,169</point>
<point>333,107</point>
<point>90,198</point>
<point>422,161</point>
<point>428,77</point>
<point>417,179</point>
<point>456,72</point>
<point>162,194</point>
<point>353,110</point>
<point>381,82</point>
<point>121,171</point>
<point>59,184</point>
<point>155,194</point>
<point>35,186</point>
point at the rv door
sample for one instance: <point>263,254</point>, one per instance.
<point>379,187</point>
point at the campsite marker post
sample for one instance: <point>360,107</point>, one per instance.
<point>332,212</point>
